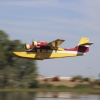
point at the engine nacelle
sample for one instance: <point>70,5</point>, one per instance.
<point>34,43</point>
<point>39,43</point>
<point>28,46</point>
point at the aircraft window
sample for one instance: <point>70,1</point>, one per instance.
<point>35,50</point>
<point>49,50</point>
<point>43,50</point>
<point>40,50</point>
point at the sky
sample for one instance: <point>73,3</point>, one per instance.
<point>47,20</point>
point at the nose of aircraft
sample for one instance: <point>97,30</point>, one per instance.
<point>25,54</point>
<point>16,53</point>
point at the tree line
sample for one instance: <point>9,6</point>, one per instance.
<point>15,72</point>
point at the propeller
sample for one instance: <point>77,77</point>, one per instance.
<point>24,46</point>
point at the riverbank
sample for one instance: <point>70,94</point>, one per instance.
<point>71,90</point>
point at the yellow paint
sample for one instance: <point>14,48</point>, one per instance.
<point>25,54</point>
<point>43,55</point>
<point>33,55</point>
<point>56,48</point>
<point>35,43</point>
<point>83,40</point>
<point>61,49</point>
<point>27,46</point>
<point>60,55</point>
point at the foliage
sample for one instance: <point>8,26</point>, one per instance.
<point>78,77</point>
<point>83,86</point>
<point>15,71</point>
<point>61,87</point>
<point>33,84</point>
<point>46,86</point>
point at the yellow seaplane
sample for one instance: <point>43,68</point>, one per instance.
<point>40,50</point>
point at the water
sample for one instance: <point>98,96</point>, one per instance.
<point>46,96</point>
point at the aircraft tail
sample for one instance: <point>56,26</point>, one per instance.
<point>85,41</point>
<point>83,45</point>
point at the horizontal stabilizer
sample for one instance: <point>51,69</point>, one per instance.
<point>90,43</point>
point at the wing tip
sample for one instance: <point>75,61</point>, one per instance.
<point>61,39</point>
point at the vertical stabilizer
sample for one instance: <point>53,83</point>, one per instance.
<point>84,44</point>
<point>83,40</point>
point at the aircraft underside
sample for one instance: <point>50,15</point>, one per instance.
<point>48,55</point>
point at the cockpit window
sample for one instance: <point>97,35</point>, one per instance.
<point>34,50</point>
<point>40,50</point>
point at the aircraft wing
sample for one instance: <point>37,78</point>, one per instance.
<point>55,44</point>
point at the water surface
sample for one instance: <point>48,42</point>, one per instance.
<point>46,96</point>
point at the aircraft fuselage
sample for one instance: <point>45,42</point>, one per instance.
<point>41,54</point>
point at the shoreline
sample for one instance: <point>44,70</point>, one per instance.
<point>79,91</point>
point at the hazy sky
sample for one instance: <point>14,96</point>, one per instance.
<point>51,19</point>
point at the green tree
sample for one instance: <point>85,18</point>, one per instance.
<point>15,71</point>
<point>78,77</point>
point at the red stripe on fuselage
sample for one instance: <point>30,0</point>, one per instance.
<point>79,49</point>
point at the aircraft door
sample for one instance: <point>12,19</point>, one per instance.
<point>39,54</point>
<point>47,54</point>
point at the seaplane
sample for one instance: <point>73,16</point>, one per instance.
<point>40,50</point>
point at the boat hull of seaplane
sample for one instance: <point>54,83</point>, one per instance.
<point>51,50</point>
